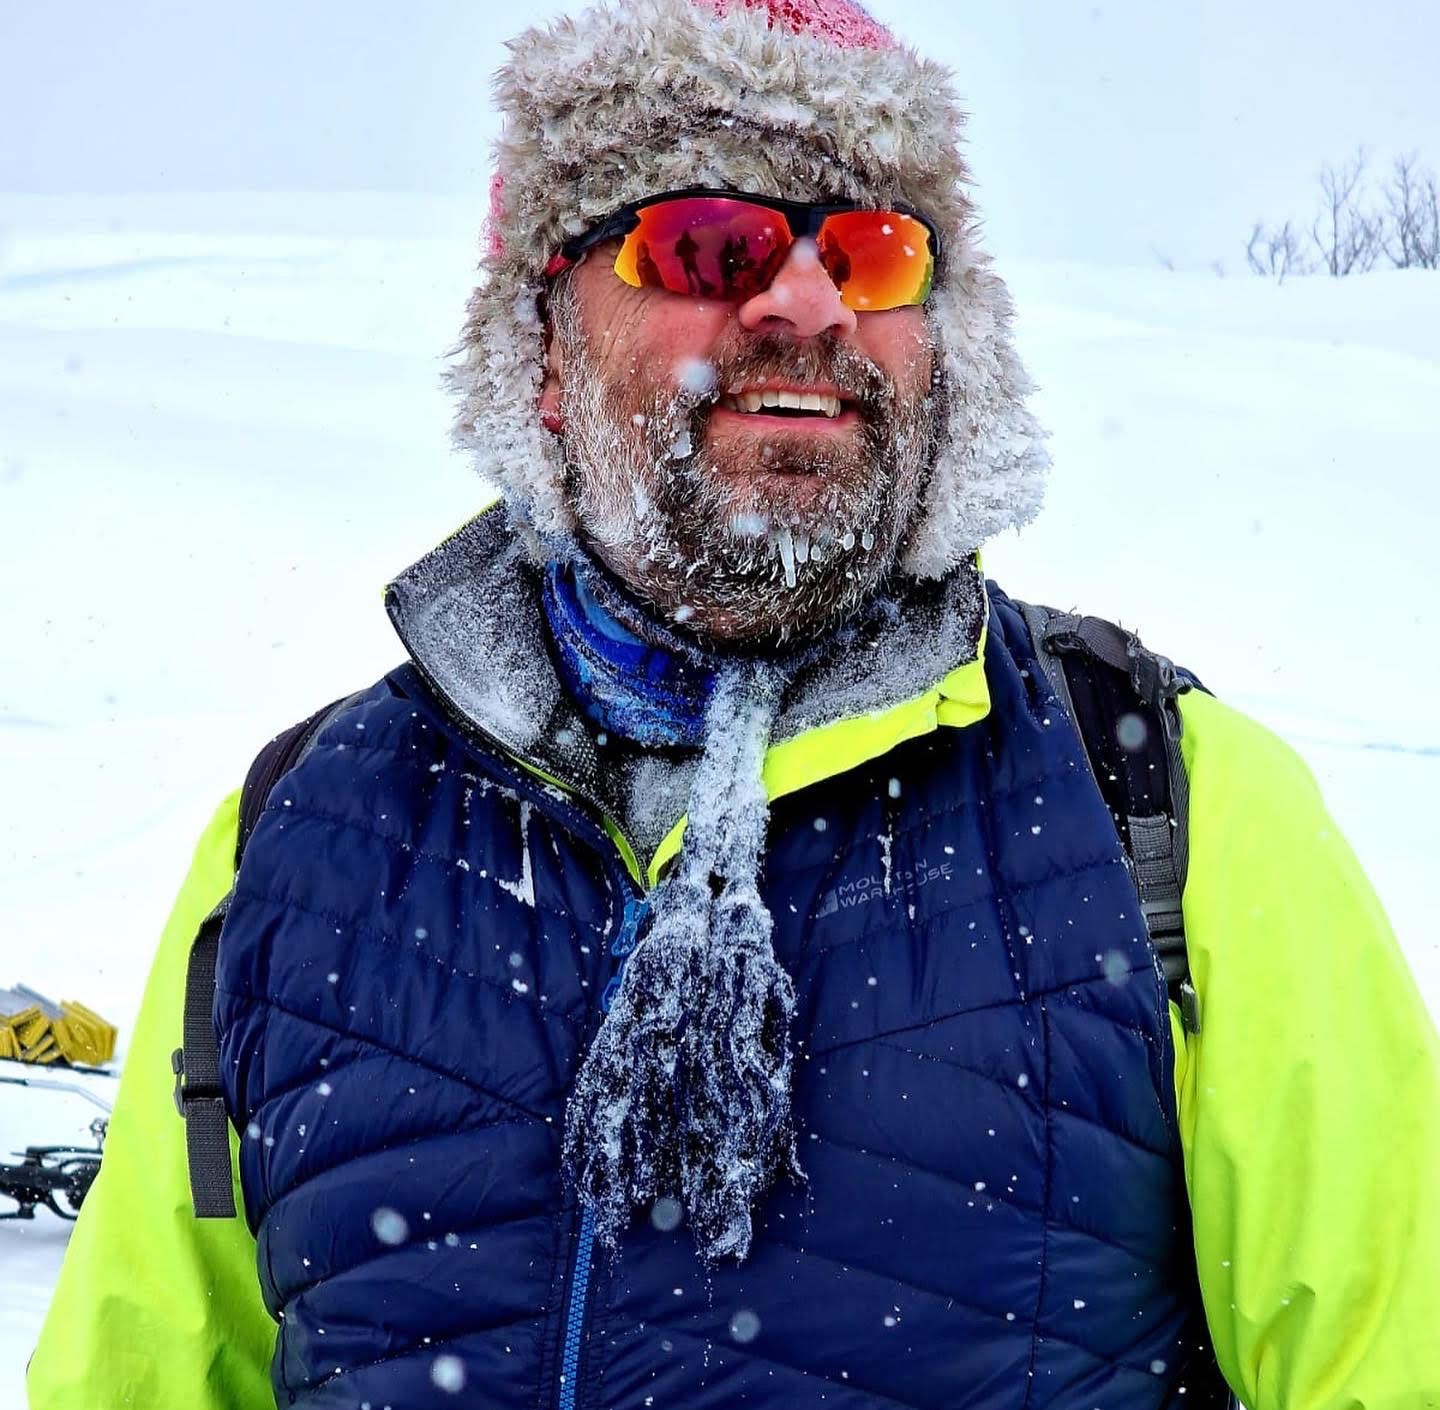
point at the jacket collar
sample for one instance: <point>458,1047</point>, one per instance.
<point>470,616</point>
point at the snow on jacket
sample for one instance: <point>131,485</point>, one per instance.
<point>999,1116</point>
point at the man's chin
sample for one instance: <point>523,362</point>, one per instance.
<point>736,444</point>
<point>788,486</point>
<point>775,587</point>
<point>758,624</point>
<point>767,500</point>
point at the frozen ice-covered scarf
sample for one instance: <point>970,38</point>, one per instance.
<point>685,1092</point>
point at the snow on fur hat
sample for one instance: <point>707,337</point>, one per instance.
<point>807,99</point>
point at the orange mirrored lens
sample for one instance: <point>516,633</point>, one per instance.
<point>708,246</point>
<point>878,259</point>
<point>716,247</point>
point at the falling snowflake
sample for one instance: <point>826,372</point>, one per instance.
<point>448,1374</point>
<point>389,1226</point>
<point>744,1326</point>
<point>1131,732</point>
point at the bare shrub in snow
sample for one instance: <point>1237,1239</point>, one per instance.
<point>1412,200</point>
<point>1356,226</point>
<point>1277,253</point>
<point>1348,238</point>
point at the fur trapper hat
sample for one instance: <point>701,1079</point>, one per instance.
<point>806,99</point>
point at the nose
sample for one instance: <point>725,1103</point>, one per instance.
<point>801,300</point>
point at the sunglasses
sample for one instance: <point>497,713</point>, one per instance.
<point>727,245</point>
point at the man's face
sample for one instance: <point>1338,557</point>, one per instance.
<point>742,523</point>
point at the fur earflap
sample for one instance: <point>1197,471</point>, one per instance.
<point>653,95</point>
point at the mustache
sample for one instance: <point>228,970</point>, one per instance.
<point>773,357</point>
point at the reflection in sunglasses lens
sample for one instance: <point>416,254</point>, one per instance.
<point>717,247</point>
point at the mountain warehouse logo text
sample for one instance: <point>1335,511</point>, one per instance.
<point>893,881</point>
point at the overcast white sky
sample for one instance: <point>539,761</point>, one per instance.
<point>1101,131</point>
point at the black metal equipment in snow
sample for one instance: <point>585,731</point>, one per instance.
<point>59,1177</point>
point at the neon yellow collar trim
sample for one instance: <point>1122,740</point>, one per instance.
<point>958,699</point>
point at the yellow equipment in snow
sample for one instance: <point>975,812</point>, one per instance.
<point>32,1029</point>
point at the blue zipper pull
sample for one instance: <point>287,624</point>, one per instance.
<point>636,909</point>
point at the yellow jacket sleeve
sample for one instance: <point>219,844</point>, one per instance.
<point>1310,1098</point>
<point>154,1307</point>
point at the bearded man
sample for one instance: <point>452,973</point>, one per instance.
<point>708,972</point>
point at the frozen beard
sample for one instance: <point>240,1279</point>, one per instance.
<point>751,535</point>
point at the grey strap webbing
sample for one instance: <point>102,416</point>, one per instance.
<point>1158,683</point>
<point>1040,620</point>
<point>1152,852</point>
<point>198,1096</point>
<point>1157,843</point>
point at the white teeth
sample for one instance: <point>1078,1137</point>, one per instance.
<point>752,402</point>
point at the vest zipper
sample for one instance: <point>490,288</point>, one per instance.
<point>575,1322</point>
<point>636,908</point>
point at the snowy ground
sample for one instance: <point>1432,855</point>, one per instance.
<point>221,431</point>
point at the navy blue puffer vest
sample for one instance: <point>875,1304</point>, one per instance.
<point>995,1214</point>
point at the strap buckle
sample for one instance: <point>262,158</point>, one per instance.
<point>186,1093</point>
<point>1154,676</point>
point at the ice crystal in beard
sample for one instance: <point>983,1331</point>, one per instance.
<point>746,536</point>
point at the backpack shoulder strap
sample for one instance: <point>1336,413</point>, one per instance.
<point>199,1097</point>
<point>273,762</point>
<point>1121,697</point>
<point>196,1064</point>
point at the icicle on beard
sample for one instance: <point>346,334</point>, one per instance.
<point>720,549</point>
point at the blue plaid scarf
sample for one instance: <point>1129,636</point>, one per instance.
<point>646,691</point>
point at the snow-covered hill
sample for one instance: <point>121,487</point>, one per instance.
<point>221,431</point>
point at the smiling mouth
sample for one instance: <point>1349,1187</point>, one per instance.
<point>784,403</point>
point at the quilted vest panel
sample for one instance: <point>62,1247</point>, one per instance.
<point>994,1214</point>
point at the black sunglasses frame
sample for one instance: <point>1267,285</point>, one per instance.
<point>803,217</point>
